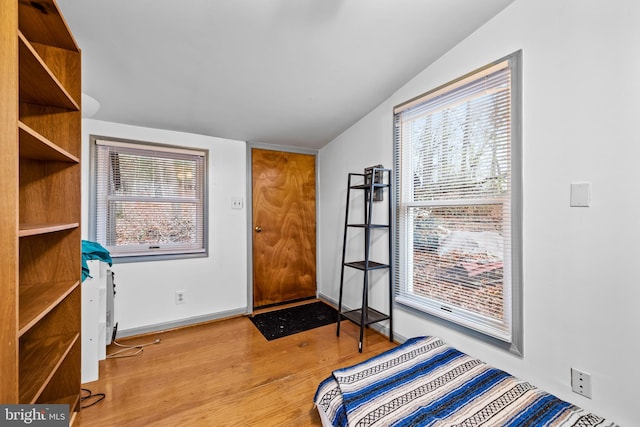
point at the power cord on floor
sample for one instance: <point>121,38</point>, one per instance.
<point>99,397</point>
<point>95,398</point>
<point>137,349</point>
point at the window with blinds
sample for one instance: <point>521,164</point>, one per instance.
<point>149,199</point>
<point>458,202</point>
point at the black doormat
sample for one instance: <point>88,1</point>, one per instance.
<point>289,321</point>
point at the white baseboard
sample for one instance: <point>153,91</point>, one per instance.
<point>122,333</point>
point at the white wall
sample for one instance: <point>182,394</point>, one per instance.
<point>215,286</point>
<point>581,102</point>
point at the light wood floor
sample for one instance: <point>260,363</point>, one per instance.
<point>224,373</point>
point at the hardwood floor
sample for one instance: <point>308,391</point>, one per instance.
<point>224,374</point>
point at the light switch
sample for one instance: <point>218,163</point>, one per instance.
<point>581,194</point>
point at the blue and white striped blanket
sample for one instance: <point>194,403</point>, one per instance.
<point>424,382</point>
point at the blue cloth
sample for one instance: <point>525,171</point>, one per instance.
<point>93,250</point>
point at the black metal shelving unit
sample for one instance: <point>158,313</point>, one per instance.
<point>372,185</point>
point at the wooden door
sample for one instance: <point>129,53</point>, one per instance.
<point>284,226</point>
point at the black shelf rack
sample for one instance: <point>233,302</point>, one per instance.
<point>372,185</point>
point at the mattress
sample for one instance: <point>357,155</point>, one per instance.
<point>425,382</point>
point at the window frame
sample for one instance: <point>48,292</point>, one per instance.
<point>93,200</point>
<point>432,310</point>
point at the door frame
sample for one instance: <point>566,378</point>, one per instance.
<point>249,205</point>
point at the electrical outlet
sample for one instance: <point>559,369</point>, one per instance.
<point>581,382</point>
<point>236,203</point>
<point>180,297</point>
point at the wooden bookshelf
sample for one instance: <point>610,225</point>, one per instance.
<point>40,245</point>
<point>43,23</point>
<point>35,146</point>
<point>36,229</point>
<point>39,363</point>
<point>38,85</point>
<point>36,301</point>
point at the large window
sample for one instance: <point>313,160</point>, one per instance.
<point>148,200</point>
<point>458,192</point>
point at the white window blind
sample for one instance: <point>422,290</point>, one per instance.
<point>150,199</point>
<point>454,192</point>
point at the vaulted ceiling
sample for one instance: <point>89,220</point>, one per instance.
<point>286,72</point>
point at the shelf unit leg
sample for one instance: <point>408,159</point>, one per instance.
<point>344,251</point>
<point>391,220</point>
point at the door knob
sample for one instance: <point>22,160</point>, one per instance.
<point>258,229</point>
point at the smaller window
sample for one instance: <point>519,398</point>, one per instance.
<point>148,200</point>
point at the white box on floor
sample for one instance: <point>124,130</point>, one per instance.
<point>94,308</point>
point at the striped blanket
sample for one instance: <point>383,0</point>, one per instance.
<point>424,382</point>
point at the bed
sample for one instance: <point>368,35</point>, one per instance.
<point>425,382</point>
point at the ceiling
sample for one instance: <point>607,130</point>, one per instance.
<point>287,72</point>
